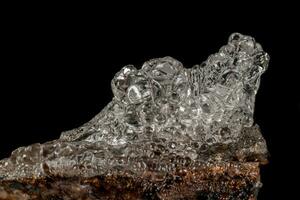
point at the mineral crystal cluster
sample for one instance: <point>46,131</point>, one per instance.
<point>169,132</point>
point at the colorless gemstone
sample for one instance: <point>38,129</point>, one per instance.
<point>162,116</point>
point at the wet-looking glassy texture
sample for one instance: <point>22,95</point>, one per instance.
<point>169,132</point>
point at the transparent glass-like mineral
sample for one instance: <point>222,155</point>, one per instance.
<point>162,116</point>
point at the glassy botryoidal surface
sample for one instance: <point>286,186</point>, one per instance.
<point>169,131</point>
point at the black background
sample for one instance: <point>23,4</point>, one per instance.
<point>58,64</point>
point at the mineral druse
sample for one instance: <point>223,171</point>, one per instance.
<point>169,133</point>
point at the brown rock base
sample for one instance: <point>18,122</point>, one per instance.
<point>225,181</point>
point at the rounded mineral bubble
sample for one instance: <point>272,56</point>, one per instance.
<point>180,87</point>
<point>139,91</point>
<point>262,59</point>
<point>243,43</point>
<point>122,81</point>
<point>162,70</point>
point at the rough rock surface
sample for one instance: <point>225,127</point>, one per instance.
<point>169,133</point>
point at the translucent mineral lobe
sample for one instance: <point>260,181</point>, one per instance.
<point>162,116</point>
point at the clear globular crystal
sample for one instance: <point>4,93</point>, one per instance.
<point>162,116</point>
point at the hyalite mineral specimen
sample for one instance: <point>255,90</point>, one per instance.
<point>169,133</point>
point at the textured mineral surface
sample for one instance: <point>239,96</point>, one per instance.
<point>169,133</point>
